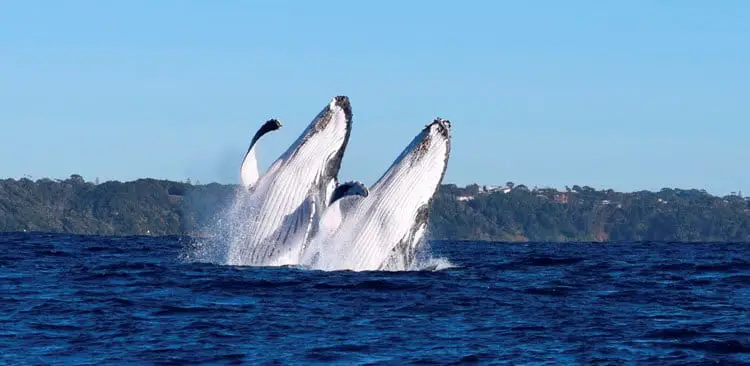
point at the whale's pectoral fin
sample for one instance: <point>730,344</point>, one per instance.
<point>353,188</point>
<point>402,255</point>
<point>293,231</point>
<point>344,198</point>
<point>249,169</point>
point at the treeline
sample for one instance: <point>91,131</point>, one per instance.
<point>141,207</point>
<point>586,214</point>
<point>511,213</point>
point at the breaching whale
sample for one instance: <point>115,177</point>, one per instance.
<point>381,229</point>
<point>284,203</point>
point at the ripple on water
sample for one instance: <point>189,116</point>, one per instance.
<point>102,300</point>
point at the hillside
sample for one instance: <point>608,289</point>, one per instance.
<point>160,207</point>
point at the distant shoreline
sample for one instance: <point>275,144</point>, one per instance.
<point>509,213</point>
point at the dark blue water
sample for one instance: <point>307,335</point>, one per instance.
<point>100,300</point>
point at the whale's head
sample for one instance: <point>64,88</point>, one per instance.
<point>423,162</point>
<point>433,143</point>
<point>315,157</point>
<point>323,142</point>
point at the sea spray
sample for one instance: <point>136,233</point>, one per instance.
<point>225,234</point>
<point>426,258</point>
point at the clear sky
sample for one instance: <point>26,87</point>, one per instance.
<point>626,95</point>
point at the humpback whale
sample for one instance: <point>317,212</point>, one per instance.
<point>285,203</point>
<point>382,228</point>
<point>249,168</point>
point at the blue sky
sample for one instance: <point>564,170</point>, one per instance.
<point>626,95</point>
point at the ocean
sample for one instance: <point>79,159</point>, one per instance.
<point>69,299</point>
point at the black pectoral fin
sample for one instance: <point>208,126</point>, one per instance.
<point>353,188</point>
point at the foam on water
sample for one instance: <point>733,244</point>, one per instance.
<point>426,260</point>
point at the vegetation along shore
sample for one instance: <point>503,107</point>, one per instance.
<point>499,213</point>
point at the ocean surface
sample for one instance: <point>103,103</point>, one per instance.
<point>131,300</point>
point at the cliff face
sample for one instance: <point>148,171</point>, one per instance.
<point>160,207</point>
